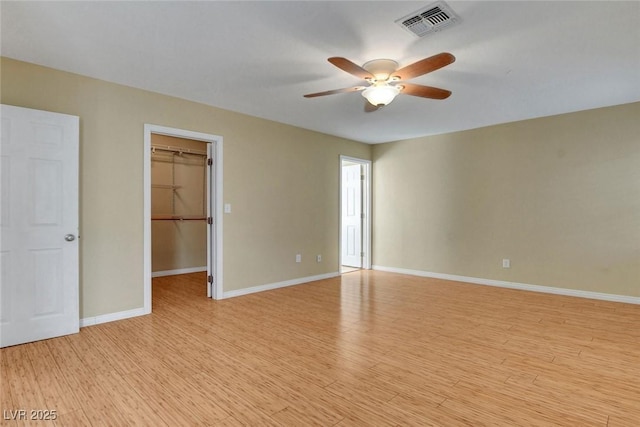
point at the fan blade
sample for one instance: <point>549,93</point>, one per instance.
<point>369,107</point>
<point>424,91</point>
<point>424,66</point>
<point>345,65</point>
<point>332,92</point>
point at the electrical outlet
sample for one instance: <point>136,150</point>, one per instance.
<point>298,258</point>
<point>319,258</point>
<point>506,263</point>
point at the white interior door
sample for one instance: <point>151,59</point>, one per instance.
<point>39,296</point>
<point>351,216</point>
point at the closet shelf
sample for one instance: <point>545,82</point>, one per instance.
<point>177,150</point>
<point>167,186</point>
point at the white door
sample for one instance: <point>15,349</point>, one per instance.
<point>351,216</point>
<point>39,296</point>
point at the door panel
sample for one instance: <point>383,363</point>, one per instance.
<point>39,207</point>
<point>351,216</point>
<point>48,287</point>
<point>45,182</point>
<point>6,293</point>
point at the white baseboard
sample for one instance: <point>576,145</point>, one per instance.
<point>270,286</point>
<point>178,271</point>
<point>111,317</point>
<point>514,285</point>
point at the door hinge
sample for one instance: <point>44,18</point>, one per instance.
<point>362,254</point>
<point>361,177</point>
<point>210,220</point>
<point>210,162</point>
<point>362,216</point>
<point>210,279</point>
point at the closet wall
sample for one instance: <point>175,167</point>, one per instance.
<point>178,205</point>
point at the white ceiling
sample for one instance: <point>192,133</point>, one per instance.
<point>515,60</point>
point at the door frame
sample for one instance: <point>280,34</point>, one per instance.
<point>366,210</point>
<point>215,290</point>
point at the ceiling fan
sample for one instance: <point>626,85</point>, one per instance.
<point>385,80</point>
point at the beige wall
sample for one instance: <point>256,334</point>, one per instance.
<point>178,244</point>
<point>282,182</point>
<point>559,196</point>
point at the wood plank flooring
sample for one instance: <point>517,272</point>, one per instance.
<point>367,349</point>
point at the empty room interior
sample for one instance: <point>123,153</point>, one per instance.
<point>367,213</point>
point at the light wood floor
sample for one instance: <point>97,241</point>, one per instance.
<point>366,349</point>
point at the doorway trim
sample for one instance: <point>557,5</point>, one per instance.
<point>216,289</point>
<point>366,210</point>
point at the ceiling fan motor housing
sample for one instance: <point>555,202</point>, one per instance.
<point>381,68</point>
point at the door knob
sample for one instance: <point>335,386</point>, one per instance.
<point>69,237</point>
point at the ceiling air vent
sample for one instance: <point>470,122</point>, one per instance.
<point>430,19</point>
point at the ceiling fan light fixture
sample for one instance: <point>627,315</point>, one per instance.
<point>380,94</point>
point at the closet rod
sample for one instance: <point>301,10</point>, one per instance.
<point>179,218</point>
<point>177,150</point>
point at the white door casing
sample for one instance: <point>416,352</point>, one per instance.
<point>352,216</point>
<point>214,207</point>
<point>39,292</point>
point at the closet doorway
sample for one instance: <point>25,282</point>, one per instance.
<point>183,193</point>
<point>179,205</point>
